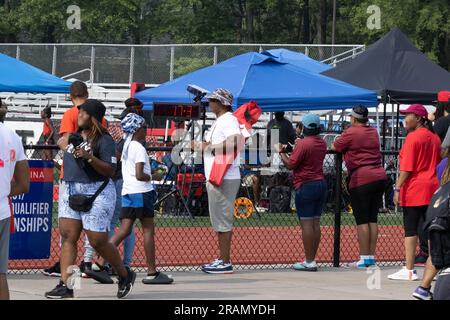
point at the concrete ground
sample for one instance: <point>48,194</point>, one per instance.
<point>327,283</point>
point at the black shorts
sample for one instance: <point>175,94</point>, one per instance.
<point>366,201</point>
<point>138,205</point>
<point>411,220</point>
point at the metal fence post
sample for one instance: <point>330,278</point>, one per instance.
<point>92,64</point>
<point>172,62</point>
<point>337,212</point>
<point>131,65</point>
<point>18,52</point>
<point>307,51</point>
<point>216,54</point>
<point>55,52</point>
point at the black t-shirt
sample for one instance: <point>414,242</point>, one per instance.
<point>286,133</point>
<point>441,126</point>
<point>79,170</point>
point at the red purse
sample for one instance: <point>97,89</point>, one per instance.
<point>247,115</point>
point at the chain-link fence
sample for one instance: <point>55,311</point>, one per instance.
<point>150,64</point>
<point>263,238</point>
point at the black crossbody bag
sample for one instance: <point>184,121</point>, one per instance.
<point>84,203</point>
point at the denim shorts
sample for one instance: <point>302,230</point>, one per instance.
<point>98,219</point>
<point>310,199</point>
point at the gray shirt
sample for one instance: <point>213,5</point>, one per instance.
<point>79,170</point>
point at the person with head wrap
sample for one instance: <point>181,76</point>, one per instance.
<point>138,194</point>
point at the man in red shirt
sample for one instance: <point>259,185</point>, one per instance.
<point>306,161</point>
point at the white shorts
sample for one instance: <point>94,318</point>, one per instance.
<point>98,219</point>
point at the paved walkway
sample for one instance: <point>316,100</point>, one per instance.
<point>328,283</point>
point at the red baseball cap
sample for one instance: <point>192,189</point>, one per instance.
<point>444,96</point>
<point>417,109</point>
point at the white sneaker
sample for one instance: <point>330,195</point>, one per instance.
<point>404,274</point>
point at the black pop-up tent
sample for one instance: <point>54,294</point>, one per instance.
<point>398,71</point>
<point>395,69</point>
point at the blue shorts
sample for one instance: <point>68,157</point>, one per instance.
<point>138,205</point>
<point>310,199</point>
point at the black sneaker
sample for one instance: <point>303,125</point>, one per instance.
<point>100,274</point>
<point>85,266</point>
<point>60,292</point>
<point>126,284</point>
<point>54,271</point>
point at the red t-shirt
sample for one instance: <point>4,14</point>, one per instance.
<point>420,155</point>
<point>307,160</point>
<point>361,148</point>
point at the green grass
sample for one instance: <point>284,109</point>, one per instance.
<point>266,220</point>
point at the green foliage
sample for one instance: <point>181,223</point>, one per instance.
<point>425,22</point>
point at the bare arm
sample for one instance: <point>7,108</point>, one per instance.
<point>286,161</point>
<point>401,179</point>
<point>52,129</point>
<point>140,175</point>
<point>103,168</point>
<point>63,142</point>
<point>21,181</point>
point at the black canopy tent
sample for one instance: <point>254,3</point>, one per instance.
<point>398,71</point>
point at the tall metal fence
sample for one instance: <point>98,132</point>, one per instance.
<point>261,240</point>
<point>150,64</point>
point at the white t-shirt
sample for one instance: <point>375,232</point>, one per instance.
<point>225,126</point>
<point>136,154</point>
<point>11,151</point>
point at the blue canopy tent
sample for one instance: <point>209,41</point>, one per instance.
<point>274,85</point>
<point>17,76</point>
<point>298,59</point>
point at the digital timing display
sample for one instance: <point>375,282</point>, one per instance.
<point>176,110</point>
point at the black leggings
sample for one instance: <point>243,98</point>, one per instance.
<point>366,201</point>
<point>411,219</point>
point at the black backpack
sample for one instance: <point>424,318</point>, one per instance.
<point>437,224</point>
<point>280,199</point>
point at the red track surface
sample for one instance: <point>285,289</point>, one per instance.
<point>251,245</point>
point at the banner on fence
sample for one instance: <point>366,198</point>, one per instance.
<point>33,215</point>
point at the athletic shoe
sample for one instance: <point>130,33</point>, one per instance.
<point>364,263</point>
<point>420,260</point>
<point>60,292</point>
<point>85,266</point>
<point>54,271</point>
<point>404,274</point>
<point>423,294</point>
<point>126,284</point>
<point>304,266</point>
<point>218,267</point>
<point>101,276</point>
<point>157,278</point>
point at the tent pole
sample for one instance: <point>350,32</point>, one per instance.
<point>384,124</point>
<point>378,124</point>
<point>393,126</point>
<point>398,127</point>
